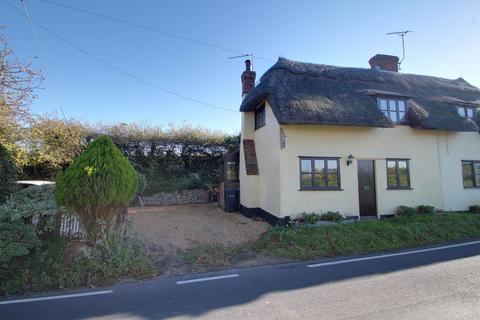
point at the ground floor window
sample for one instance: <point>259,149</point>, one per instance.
<point>471,174</point>
<point>319,173</point>
<point>398,174</point>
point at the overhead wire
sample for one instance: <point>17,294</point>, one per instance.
<point>156,30</point>
<point>44,60</point>
<point>115,68</point>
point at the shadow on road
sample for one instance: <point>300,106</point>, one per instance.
<point>163,298</point>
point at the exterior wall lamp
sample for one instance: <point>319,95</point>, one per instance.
<point>349,159</point>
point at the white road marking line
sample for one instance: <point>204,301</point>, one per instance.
<point>234,275</point>
<point>316,265</point>
<point>65,296</point>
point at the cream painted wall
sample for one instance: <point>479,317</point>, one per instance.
<point>249,185</point>
<point>453,148</point>
<point>362,143</point>
<point>261,191</point>
<point>435,167</point>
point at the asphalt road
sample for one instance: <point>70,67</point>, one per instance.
<point>436,283</point>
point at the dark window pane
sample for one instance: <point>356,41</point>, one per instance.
<point>391,167</point>
<point>332,165</point>
<point>306,166</point>
<point>468,181</point>
<point>470,112</point>
<point>306,180</point>
<point>393,116</point>
<point>333,180</point>
<point>477,180</point>
<point>477,167</point>
<point>392,105</point>
<point>333,173</point>
<point>260,117</point>
<point>467,168</point>
<point>392,180</point>
<point>320,173</point>
<point>403,174</point>
<point>383,104</point>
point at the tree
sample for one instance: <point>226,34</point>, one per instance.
<point>8,174</point>
<point>53,144</point>
<point>96,185</point>
<point>18,82</point>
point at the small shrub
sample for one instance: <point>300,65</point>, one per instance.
<point>474,209</point>
<point>16,240</point>
<point>310,218</point>
<point>424,209</point>
<point>406,211</point>
<point>35,205</point>
<point>334,216</point>
<point>192,181</point>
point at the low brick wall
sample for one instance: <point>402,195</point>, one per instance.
<point>177,197</point>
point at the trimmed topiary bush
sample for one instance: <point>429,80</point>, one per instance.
<point>406,211</point>
<point>96,185</point>
<point>8,174</point>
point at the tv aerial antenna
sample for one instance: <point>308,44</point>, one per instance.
<point>401,34</point>
<point>250,55</point>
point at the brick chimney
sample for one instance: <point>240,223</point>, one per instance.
<point>248,78</point>
<point>384,62</point>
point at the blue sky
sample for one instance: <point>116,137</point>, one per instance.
<point>445,43</point>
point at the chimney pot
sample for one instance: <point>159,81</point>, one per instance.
<point>248,65</point>
<point>384,62</point>
<point>248,78</point>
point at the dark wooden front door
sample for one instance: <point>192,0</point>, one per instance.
<point>366,188</point>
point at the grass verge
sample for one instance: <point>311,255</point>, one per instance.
<point>368,236</point>
<point>343,239</point>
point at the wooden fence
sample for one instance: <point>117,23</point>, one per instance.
<point>69,226</point>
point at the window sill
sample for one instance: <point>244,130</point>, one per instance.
<point>471,187</point>
<point>399,188</point>
<point>320,189</point>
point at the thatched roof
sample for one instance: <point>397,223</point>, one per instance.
<point>306,93</point>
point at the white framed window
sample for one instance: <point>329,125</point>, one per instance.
<point>394,109</point>
<point>467,112</point>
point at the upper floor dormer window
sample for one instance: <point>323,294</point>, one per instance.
<point>467,112</point>
<point>394,109</point>
<point>260,116</point>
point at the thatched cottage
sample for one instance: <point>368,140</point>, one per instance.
<point>319,138</point>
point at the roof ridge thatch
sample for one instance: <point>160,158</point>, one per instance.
<point>309,93</point>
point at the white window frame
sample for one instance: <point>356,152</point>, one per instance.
<point>388,111</point>
<point>463,111</point>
